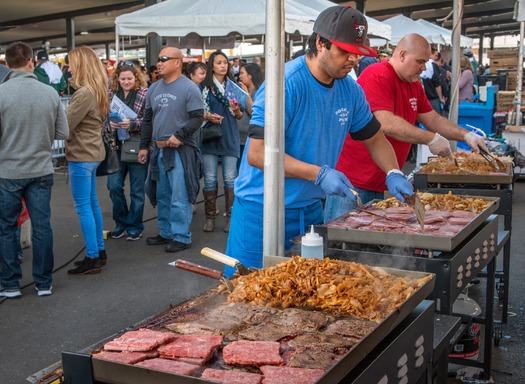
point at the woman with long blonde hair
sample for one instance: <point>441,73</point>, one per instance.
<point>86,113</point>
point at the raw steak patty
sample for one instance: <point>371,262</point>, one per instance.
<point>139,341</point>
<point>289,375</point>
<point>244,352</point>
<point>196,346</point>
<point>232,377</point>
<point>122,357</point>
<point>171,366</point>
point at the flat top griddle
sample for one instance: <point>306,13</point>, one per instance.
<point>407,240</point>
<point>107,371</point>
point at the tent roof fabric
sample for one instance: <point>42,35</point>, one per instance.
<point>218,18</point>
<point>446,34</point>
<point>402,25</point>
<point>209,18</point>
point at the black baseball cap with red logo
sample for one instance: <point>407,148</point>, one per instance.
<point>345,27</point>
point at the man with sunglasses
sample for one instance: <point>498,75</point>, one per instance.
<point>174,111</point>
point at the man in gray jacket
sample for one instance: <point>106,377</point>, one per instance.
<point>31,117</point>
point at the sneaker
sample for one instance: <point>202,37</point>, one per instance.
<point>87,266</point>
<point>176,246</point>
<point>44,292</point>
<point>157,240</point>
<point>134,236</point>
<point>117,233</point>
<point>10,293</point>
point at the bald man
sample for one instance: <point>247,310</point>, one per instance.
<point>174,110</point>
<point>397,100</point>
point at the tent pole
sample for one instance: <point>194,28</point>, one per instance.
<point>456,32</point>
<point>519,86</point>
<point>116,47</point>
<point>273,219</point>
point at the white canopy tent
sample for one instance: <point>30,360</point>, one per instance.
<point>210,21</point>
<point>446,34</point>
<point>209,18</point>
<point>375,27</point>
<point>402,25</point>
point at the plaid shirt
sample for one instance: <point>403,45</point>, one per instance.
<point>138,107</point>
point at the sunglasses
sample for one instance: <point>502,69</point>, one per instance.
<point>125,64</point>
<point>163,59</point>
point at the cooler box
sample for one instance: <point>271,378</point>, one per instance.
<point>480,115</point>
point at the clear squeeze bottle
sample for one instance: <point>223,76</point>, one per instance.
<point>312,245</point>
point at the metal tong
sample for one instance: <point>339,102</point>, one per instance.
<point>204,271</point>
<point>494,162</point>
<point>227,260</point>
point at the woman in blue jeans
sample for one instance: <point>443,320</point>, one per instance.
<point>219,110</point>
<point>128,84</point>
<point>87,110</point>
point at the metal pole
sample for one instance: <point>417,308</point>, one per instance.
<point>70,31</point>
<point>116,48</point>
<point>517,104</point>
<point>273,219</point>
<point>456,36</point>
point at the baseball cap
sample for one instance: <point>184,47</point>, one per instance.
<point>468,52</point>
<point>385,52</point>
<point>42,55</point>
<point>345,27</point>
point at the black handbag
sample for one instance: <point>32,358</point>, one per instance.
<point>111,163</point>
<point>211,132</point>
<point>130,150</point>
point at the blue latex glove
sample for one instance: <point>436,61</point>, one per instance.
<point>333,182</point>
<point>398,185</point>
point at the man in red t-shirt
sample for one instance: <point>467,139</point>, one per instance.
<point>397,99</point>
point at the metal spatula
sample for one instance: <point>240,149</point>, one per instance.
<point>358,198</point>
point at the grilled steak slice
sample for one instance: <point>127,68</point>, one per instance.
<point>318,358</point>
<point>244,352</point>
<point>122,357</point>
<point>351,327</point>
<point>225,319</point>
<point>195,346</point>
<point>171,366</point>
<point>191,328</point>
<point>290,375</point>
<point>308,321</point>
<point>325,341</point>
<point>139,341</point>
<point>269,332</point>
<point>232,377</point>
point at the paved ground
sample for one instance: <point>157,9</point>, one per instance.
<point>137,283</point>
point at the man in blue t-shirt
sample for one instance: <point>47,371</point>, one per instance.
<point>322,105</point>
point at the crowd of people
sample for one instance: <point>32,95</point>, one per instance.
<point>355,136</point>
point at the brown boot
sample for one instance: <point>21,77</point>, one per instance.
<point>228,199</point>
<point>210,205</point>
